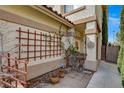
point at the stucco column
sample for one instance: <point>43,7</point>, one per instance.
<point>91,46</point>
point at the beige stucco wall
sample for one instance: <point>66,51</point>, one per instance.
<point>8,29</point>
<point>41,67</point>
<point>81,47</point>
<point>99,15</point>
<point>35,68</point>
<point>91,60</point>
<point>90,10</point>
<point>99,45</point>
<point>81,44</point>
<point>87,12</point>
<point>91,52</point>
<point>91,25</point>
<point>32,14</point>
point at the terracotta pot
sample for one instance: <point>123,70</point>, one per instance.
<point>54,79</point>
<point>61,73</point>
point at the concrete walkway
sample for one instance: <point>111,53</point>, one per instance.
<point>106,76</point>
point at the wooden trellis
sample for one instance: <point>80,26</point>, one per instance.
<point>18,76</point>
<point>50,45</point>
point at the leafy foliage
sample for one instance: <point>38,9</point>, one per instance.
<point>120,57</point>
<point>121,52</point>
<point>119,70</point>
<point>118,38</point>
<point>122,26</point>
<point>104,29</point>
<point>123,83</point>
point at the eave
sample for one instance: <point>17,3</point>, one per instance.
<point>53,14</point>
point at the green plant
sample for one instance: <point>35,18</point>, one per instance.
<point>119,70</point>
<point>120,61</point>
<point>122,68</point>
<point>104,29</point>
<point>123,83</point>
<point>72,49</point>
<point>118,38</point>
<point>120,57</point>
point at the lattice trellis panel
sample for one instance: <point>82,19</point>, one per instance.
<point>36,44</point>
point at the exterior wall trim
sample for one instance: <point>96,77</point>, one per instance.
<point>74,11</point>
<point>10,17</point>
<point>77,37</point>
<point>52,14</point>
<point>97,21</point>
<point>85,20</point>
<point>91,31</point>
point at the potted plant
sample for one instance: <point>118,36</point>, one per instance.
<point>61,73</point>
<point>70,54</point>
<point>54,78</point>
<point>73,55</point>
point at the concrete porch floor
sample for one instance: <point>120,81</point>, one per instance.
<point>107,76</point>
<point>71,80</point>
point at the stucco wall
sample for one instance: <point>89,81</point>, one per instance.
<point>91,25</point>
<point>87,12</point>
<point>37,67</point>
<point>91,52</point>
<point>81,44</point>
<point>91,47</point>
<point>99,15</point>
<point>99,45</point>
<point>32,14</point>
<point>8,29</point>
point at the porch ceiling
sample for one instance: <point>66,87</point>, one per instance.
<point>80,30</point>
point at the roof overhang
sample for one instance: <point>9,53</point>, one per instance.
<point>53,14</point>
<point>85,20</point>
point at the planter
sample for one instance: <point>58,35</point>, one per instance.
<point>72,59</point>
<point>54,79</point>
<point>67,61</point>
<point>62,73</point>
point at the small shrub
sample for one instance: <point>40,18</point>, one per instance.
<point>123,83</point>
<point>119,70</point>
<point>120,56</point>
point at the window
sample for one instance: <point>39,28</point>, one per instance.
<point>69,8</point>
